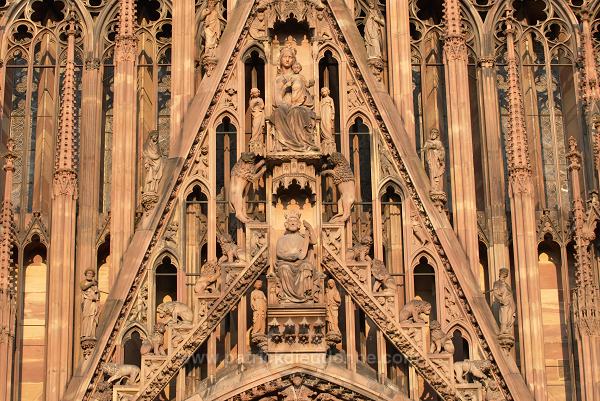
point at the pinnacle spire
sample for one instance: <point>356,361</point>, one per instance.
<point>66,152</point>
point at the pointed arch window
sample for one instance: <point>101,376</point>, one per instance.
<point>31,338</point>
<point>544,45</point>
<point>360,162</point>
<point>425,284</point>
<point>35,52</point>
<point>226,149</point>
<point>165,281</point>
<point>392,230</point>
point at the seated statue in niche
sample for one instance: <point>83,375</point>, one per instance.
<point>295,262</point>
<point>293,115</point>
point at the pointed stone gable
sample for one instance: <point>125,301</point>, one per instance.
<point>463,292</point>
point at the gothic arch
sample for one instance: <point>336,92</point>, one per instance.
<point>394,182</point>
<point>359,388</point>
<point>13,14</point>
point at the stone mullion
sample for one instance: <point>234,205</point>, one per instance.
<point>522,203</point>
<point>89,171</point>
<point>8,298</point>
<point>124,149</point>
<point>182,70</point>
<point>400,69</point>
<point>59,361</point>
<point>464,206</point>
<point>495,189</point>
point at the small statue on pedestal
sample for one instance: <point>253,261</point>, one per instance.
<point>327,122</point>
<point>435,155</point>
<point>90,298</point>
<point>506,314</point>
<point>256,109</point>
<point>153,164</point>
<point>258,302</point>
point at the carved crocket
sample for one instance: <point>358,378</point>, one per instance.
<point>343,178</point>
<point>245,171</point>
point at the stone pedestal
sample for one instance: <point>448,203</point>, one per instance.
<point>124,392</point>
<point>175,335</point>
<point>419,332</point>
<point>149,365</point>
<point>470,391</point>
<point>445,362</point>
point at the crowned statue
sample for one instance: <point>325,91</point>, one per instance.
<point>295,260</point>
<point>293,116</point>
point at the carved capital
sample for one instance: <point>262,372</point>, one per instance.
<point>65,183</point>
<point>520,181</point>
<point>455,48</point>
<point>487,62</point>
<point>125,48</point>
<point>92,63</point>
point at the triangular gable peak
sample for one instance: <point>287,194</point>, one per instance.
<point>338,29</point>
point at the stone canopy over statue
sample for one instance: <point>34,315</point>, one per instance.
<point>293,117</point>
<point>295,261</point>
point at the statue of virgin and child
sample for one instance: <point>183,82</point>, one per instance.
<point>293,115</point>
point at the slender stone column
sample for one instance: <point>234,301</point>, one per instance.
<point>89,183</point>
<point>182,74</point>
<point>124,149</point>
<point>522,205</point>
<point>462,171</point>
<point>495,184</point>
<point>62,253</point>
<point>400,69</point>
<point>8,272</point>
<point>586,294</point>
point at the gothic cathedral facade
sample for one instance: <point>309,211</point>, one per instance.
<point>300,200</point>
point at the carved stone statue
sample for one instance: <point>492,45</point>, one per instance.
<point>258,302</point>
<point>327,122</point>
<point>343,178</point>
<point>297,391</point>
<point>292,116</point>
<point>477,369</point>
<point>360,251</point>
<point>332,302</point>
<point>435,155</point>
<point>503,295</point>
<point>295,260</point>
<point>440,341</point>
<point>155,345</point>
<point>374,24</point>
<point>90,298</point>
<point>174,313</point>
<point>256,108</point>
<point>247,170</point>
<point>153,163</point>
<point>383,279</point>
<point>207,283</point>
<point>211,25</point>
<point>121,374</point>
<point>231,251</point>
<point>413,310</point>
